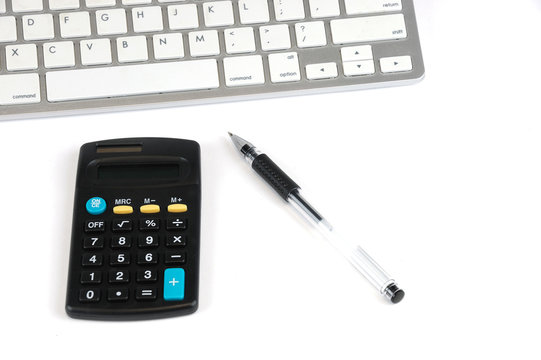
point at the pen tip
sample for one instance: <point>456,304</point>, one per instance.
<point>230,134</point>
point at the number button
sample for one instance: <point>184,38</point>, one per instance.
<point>120,242</point>
<point>93,242</point>
<point>91,277</point>
<point>147,275</point>
<point>89,295</point>
<point>118,259</point>
<point>92,260</point>
<point>147,258</point>
<point>119,276</point>
<point>147,241</point>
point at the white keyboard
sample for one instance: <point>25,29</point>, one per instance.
<point>65,56</point>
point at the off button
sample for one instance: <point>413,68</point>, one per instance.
<point>96,206</point>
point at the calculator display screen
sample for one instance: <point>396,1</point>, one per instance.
<point>138,171</point>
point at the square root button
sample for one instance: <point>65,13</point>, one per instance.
<point>173,284</point>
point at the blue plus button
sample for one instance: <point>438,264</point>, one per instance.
<point>96,206</point>
<point>173,284</point>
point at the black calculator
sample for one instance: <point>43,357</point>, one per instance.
<point>136,230</point>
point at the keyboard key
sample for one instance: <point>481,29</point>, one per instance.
<point>91,277</point>
<point>27,5</point>
<point>100,3</point>
<point>286,10</point>
<point>58,54</point>
<point>310,34</point>
<point>275,37</point>
<point>395,64</point>
<point>356,53</point>
<point>111,22</point>
<point>204,43</point>
<point>321,71</point>
<point>175,257</point>
<point>136,2</point>
<point>177,224</point>
<point>324,8</point>
<point>173,284</point>
<point>149,209</point>
<point>354,7</point>
<point>38,27</point>
<point>168,46</point>
<point>370,28</point>
<point>147,19</point>
<point>92,260</point>
<point>94,226</point>
<point>63,4</point>
<point>119,276</point>
<point>19,89</point>
<point>117,294</point>
<point>177,208</point>
<point>146,276</point>
<point>89,295</point>
<point>8,29</point>
<point>2,6</point>
<point>132,49</point>
<point>284,67</point>
<point>218,13</point>
<point>244,70</point>
<point>174,240</point>
<point>358,68</point>
<point>93,242</point>
<point>182,17</point>
<point>74,24</point>
<point>254,11</point>
<point>21,57</point>
<point>239,40</point>
<point>146,294</point>
<point>96,52</point>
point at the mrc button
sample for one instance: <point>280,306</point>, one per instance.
<point>96,206</point>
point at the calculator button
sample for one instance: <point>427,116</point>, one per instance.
<point>145,294</point>
<point>119,276</point>
<point>173,284</point>
<point>122,225</point>
<point>91,277</point>
<point>175,257</point>
<point>177,208</point>
<point>92,260</point>
<point>122,210</point>
<point>147,258</point>
<point>118,259</point>
<point>116,294</point>
<point>176,224</point>
<point>150,209</point>
<point>149,224</point>
<point>120,242</point>
<point>89,295</point>
<point>93,242</point>
<point>175,240</point>
<point>147,275</point>
<point>147,241</point>
<point>94,226</point>
<point>96,206</point>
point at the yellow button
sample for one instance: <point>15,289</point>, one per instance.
<point>122,209</point>
<point>150,209</point>
<point>177,208</point>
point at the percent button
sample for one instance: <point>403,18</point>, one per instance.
<point>149,224</point>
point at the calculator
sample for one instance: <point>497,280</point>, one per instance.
<point>136,230</point>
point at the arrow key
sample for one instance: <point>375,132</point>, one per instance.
<point>395,64</point>
<point>358,68</point>
<point>321,71</point>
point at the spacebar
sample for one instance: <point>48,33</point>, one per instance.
<point>131,80</point>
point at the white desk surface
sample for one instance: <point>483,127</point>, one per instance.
<point>440,182</point>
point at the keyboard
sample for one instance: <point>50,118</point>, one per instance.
<point>71,56</point>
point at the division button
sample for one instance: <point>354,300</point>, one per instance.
<point>122,210</point>
<point>96,206</point>
<point>150,209</point>
<point>176,224</point>
<point>177,208</point>
<point>173,284</point>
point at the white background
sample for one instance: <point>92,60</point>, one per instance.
<point>440,182</point>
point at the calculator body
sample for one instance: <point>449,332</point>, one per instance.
<point>136,230</point>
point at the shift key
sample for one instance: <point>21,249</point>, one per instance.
<point>19,89</point>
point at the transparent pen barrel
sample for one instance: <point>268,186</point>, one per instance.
<point>353,253</point>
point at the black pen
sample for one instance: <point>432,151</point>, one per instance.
<point>290,192</point>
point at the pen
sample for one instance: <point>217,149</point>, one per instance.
<point>290,192</point>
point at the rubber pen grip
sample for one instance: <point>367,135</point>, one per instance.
<point>274,176</point>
